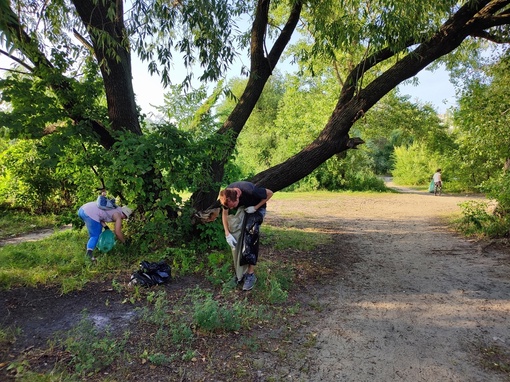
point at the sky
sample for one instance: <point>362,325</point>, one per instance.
<point>433,87</point>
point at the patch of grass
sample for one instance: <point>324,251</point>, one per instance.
<point>281,238</point>
<point>252,343</point>
<point>91,350</point>
<point>476,221</point>
<point>58,260</point>
<point>15,223</point>
<point>211,315</point>
<point>47,261</point>
<point>9,335</point>
<point>25,375</point>
<point>496,358</point>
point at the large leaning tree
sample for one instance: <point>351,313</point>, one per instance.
<point>398,39</point>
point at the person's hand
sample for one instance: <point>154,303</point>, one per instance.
<point>231,240</point>
<point>106,228</point>
<point>250,210</point>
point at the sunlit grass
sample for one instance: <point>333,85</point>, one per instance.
<point>14,223</point>
<point>282,238</point>
<point>56,260</point>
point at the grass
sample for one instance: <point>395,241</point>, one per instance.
<point>174,328</point>
<point>15,223</point>
<point>57,260</point>
<point>282,238</point>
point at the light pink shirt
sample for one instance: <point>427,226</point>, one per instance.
<point>97,214</point>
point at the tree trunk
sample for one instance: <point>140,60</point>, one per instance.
<point>471,19</point>
<point>114,59</point>
<point>261,68</point>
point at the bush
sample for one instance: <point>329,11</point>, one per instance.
<point>414,165</point>
<point>477,221</point>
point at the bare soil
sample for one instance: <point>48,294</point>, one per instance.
<point>395,296</point>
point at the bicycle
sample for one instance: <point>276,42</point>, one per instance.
<point>438,186</point>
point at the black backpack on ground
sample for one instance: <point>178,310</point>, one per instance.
<point>151,274</point>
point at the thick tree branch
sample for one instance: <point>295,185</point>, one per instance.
<point>284,37</point>
<point>260,66</point>
<point>491,37</point>
<point>261,69</point>
<point>60,84</point>
<point>105,24</point>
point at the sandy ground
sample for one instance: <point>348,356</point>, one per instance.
<point>418,304</point>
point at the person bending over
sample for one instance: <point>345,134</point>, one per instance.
<point>253,199</point>
<point>95,219</point>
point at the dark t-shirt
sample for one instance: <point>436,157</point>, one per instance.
<point>251,195</point>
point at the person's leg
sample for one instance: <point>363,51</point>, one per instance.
<point>94,229</point>
<point>250,256</point>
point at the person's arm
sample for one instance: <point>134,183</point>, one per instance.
<point>118,227</point>
<point>231,240</point>
<point>269,194</point>
<point>224,220</point>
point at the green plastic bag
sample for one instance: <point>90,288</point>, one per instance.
<point>106,241</point>
<point>431,186</point>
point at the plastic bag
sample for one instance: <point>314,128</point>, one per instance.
<point>431,186</point>
<point>106,241</point>
<point>151,274</point>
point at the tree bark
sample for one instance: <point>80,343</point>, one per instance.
<point>114,60</point>
<point>334,138</point>
<point>261,67</point>
<point>472,19</point>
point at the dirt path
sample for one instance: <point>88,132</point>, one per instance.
<point>418,304</point>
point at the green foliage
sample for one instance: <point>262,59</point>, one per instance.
<point>415,165</point>
<point>205,42</point>
<point>348,171</point>
<point>395,122</point>
<point>481,120</point>
<point>477,221</point>
<point>382,23</point>
<point>29,179</point>
<point>90,349</point>
<point>257,142</point>
<point>159,359</point>
<point>498,188</point>
<point>211,315</point>
<point>220,268</point>
<point>14,222</point>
